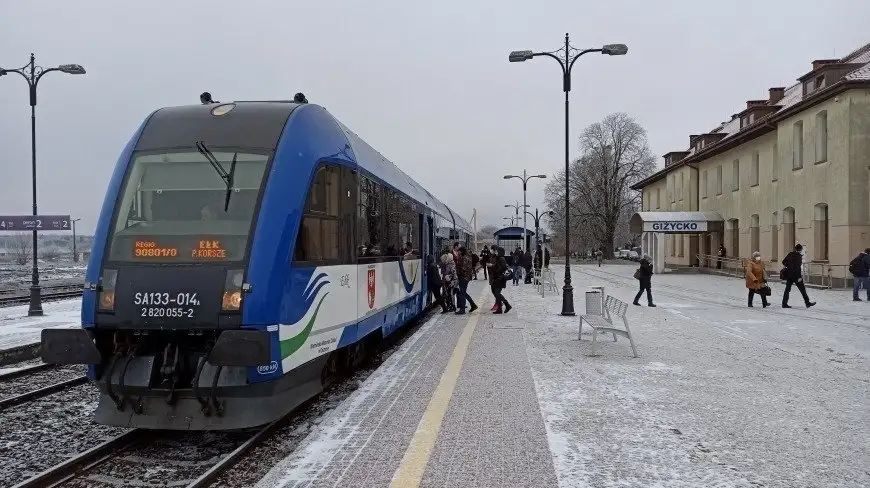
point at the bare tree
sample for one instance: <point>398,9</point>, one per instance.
<point>615,155</point>
<point>486,231</point>
<point>20,246</point>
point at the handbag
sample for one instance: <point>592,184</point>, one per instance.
<point>637,274</point>
<point>782,274</point>
<point>765,290</point>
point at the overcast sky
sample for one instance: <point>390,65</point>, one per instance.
<point>428,84</point>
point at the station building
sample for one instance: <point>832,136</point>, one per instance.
<point>791,168</point>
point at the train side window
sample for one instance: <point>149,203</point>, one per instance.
<point>318,240</point>
<point>369,228</point>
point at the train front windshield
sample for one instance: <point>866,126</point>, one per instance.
<point>182,207</point>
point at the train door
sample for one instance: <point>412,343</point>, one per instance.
<point>429,239</point>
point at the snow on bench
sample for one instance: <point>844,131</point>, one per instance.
<point>604,323</point>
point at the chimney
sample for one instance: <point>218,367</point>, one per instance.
<point>821,62</point>
<point>755,103</point>
<point>775,95</point>
<point>692,139</point>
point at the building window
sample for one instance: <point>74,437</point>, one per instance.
<point>820,232</point>
<point>797,149</point>
<point>753,175</point>
<point>704,184</point>
<point>774,238</point>
<point>820,81</point>
<point>673,189</point>
<point>822,136</point>
<point>774,167</point>
<point>735,175</point>
<point>754,233</point>
<point>788,238</point>
<point>732,237</point>
<point>680,245</point>
<point>719,179</point>
<point>658,198</point>
<point>681,187</point>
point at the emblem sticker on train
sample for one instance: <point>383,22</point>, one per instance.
<point>271,368</point>
<point>169,305</point>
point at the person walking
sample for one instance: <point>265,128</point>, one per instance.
<point>464,273</point>
<point>484,261</point>
<point>721,254</point>
<point>860,269</point>
<point>599,256</point>
<point>475,263</point>
<point>448,278</point>
<point>756,280</point>
<point>791,273</point>
<point>493,259</point>
<point>644,277</point>
<point>500,275</point>
<point>433,278</point>
<point>516,263</point>
<point>539,263</point>
<point>528,262</point>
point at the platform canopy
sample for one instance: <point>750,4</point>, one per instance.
<point>677,222</point>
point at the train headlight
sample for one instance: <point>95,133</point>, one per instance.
<point>232,298</point>
<point>107,290</point>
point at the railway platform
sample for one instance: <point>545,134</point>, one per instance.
<point>18,331</point>
<point>720,395</point>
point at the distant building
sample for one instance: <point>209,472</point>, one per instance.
<point>792,168</point>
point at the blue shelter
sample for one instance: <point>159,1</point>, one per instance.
<point>511,237</point>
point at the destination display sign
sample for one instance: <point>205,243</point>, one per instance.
<point>210,249</point>
<point>675,226</point>
<point>34,222</point>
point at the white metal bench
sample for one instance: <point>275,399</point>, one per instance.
<point>613,307</point>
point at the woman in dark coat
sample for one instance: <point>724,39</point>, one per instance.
<point>499,282</point>
<point>644,277</point>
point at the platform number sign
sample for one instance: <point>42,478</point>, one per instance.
<point>18,223</point>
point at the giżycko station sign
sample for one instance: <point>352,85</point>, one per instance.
<point>675,226</point>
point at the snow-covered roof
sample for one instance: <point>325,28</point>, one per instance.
<point>792,96</point>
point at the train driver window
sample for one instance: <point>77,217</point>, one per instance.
<point>318,239</point>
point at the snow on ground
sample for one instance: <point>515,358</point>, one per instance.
<point>17,329</point>
<point>721,395</point>
<point>14,276</point>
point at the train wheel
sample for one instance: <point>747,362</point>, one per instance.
<point>330,369</point>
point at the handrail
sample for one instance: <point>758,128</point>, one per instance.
<point>823,274</point>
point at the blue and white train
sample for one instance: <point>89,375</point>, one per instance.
<point>246,252</point>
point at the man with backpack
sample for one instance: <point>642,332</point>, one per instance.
<point>860,269</point>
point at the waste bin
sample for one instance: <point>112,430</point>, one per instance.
<point>595,300</point>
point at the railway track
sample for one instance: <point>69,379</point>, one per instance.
<point>36,381</point>
<point>138,450</point>
<point>56,292</point>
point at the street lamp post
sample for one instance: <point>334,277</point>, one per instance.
<point>537,219</point>
<point>525,179</point>
<point>33,73</point>
<point>517,213</point>
<point>75,252</point>
<point>566,56</point>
